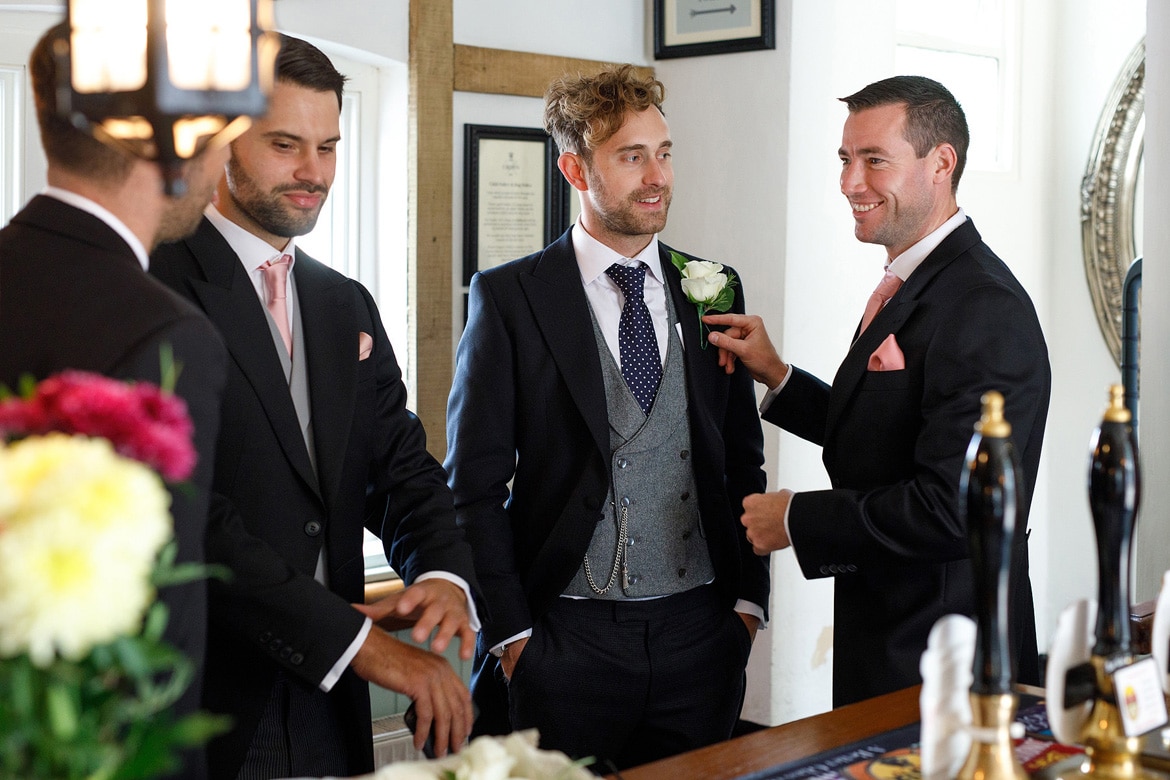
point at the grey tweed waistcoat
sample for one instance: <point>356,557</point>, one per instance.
<point>652,485</point>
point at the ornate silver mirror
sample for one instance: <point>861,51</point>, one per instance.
<point>1111,196</point>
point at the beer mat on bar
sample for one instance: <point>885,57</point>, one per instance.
<point>894,755</point>
<point>897,750</point>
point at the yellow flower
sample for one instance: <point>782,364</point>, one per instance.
<point>80,528</point>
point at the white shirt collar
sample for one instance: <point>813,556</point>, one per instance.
<point>594,257</point>
<point>906,263</point>
<point>252,250</point>
<point>104,214</point>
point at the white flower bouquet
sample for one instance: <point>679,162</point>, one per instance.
<point>493,758</point>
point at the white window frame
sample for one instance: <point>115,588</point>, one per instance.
<point>1007,54</point>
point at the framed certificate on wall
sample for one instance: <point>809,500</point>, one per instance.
<point>689,28</point>
<point>515,199</point>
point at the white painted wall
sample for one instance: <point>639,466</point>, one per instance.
<point>1153,556</point>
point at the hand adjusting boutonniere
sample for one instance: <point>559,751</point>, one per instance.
<point>707,286</point>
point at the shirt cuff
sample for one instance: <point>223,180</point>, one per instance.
<point>472,615</point>
<point>334,674</point>
<point>787,511</point>
<point>753,609</point>
<point>498,650</point>
<point>770,396</point>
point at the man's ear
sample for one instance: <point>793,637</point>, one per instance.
<point>573,169</point>
<point>944,162</point>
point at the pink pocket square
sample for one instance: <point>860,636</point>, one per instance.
<point>365,345</point>
<point>887,357</point>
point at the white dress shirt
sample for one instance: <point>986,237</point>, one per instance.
<point>102,213</point>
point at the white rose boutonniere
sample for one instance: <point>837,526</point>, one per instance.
<point>707,286</point>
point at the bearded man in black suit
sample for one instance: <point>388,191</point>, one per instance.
<point>316,443</point>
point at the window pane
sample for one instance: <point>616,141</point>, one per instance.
<point>974,81</point>
<point>974,22</point>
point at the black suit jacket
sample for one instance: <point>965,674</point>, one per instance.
<point>528,406</point>
<point>894,443</point>
<point>74,296</point>
<point>270,514</point>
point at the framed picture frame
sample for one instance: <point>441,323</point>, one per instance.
<point>515,200</point>
<point>690,28</point>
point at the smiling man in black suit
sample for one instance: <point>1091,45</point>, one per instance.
<point>953,324</point>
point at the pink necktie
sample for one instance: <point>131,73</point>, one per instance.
<point>879,298</point>
<point>275,279</point>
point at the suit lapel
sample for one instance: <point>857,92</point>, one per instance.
<point>893,317</point>
<point>327,323</point>
<point>230,301</point>
<point>705,390</point>
<point>698,361</point>
<point>561,310</point>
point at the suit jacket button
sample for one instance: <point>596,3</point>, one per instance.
<point>265,637</point>
<point>296,659</point>
<point>824,570</point>
<point>286,652</point>
<point>313,528</point>
<point>851,567</point>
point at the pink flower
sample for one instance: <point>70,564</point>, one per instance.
<point>140,420</point>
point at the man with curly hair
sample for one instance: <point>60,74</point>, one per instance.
<point>599,456</point>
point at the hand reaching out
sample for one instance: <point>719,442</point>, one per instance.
<point>427,605</point>
<point>747,340</point>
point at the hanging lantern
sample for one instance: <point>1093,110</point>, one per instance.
<point>165,78</point>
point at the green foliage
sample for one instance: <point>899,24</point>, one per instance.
<point>105,716</point>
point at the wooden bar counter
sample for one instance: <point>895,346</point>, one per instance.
<point>789,742</point>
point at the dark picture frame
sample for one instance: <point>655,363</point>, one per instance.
<point>515,200</point>
<point>691,28</point>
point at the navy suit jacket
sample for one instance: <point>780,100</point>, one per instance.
<point>894,444</point>
<point>73,295</point>
<point>528,407</point>
<point>271,514</point>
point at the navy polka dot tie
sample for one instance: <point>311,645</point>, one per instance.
<point>637,346</point>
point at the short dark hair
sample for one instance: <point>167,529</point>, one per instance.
<point>933,116</point>
<point>66,145</point>
<point>583,112</point>
<point>300,62</point>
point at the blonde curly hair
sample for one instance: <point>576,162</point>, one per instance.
<point>583,112</point>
